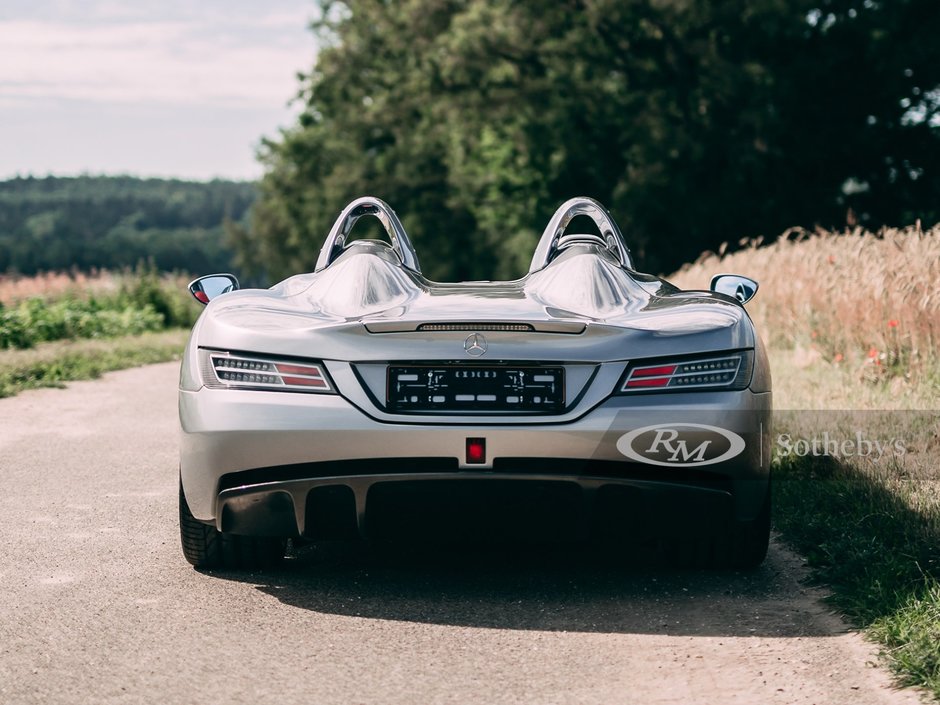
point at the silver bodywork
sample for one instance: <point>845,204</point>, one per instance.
<point>250,459</point>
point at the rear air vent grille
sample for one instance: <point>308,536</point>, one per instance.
<point>518,327</point>
<point>405,326</point>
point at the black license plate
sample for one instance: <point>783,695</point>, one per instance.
<point>422,388</point>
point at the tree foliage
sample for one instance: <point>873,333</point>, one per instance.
<point>694,121</point>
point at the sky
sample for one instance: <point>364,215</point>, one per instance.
<point>173,88</point>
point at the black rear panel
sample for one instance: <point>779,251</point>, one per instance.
<point>424,388</point>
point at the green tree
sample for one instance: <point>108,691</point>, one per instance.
<point>695,122</point>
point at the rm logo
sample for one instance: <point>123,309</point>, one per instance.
<point>680,444</point>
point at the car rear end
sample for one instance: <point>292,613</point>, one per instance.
<point>582,429</point>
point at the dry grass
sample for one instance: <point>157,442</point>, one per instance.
<point>57,285</point>
<point>803,380</point>
<point>866,300</point>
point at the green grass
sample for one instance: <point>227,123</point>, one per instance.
<point>869,531</point>
<point>53,364</point>
<point>912,637</point>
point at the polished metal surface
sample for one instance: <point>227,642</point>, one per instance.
<point>368,205</point>
<point>582,310</point>
<point>568,211</point>
<point>334,313</point>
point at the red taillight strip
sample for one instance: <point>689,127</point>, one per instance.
<point>285,369</point>
<point>690,374</point>
<point>661,370</point>
<point>317,382</point>
<point>301,375</point>
<point>648,382</point>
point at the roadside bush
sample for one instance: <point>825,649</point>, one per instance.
<point>165,294</point>
<point>61,306</point>
<point>37,321</point>
<point>13,331</point>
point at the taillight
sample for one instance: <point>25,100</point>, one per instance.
<point>729,371</point>
<point>237,371</point>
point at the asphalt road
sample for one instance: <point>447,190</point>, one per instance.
<point>97,604</point>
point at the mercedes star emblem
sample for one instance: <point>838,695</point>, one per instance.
<point>475,344</point>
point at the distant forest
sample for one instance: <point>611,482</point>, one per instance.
<point>110,222</point>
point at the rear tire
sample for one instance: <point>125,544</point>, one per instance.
<point>738,545</point>
<point>746,545</point>
<point>206,547</point>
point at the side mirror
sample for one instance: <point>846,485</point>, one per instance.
<point>735,286</point>
<point>206,288</point>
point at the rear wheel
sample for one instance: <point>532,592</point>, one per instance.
<point>746,544</point>
<point>206,547</point>
<point>735,544</point>
<point>751,538</point>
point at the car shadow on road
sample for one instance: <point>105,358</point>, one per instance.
<point>567,589</point>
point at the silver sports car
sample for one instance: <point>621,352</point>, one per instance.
<point>361,400</point>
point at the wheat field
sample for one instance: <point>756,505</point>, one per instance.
<point>851,298</point>
<point>56,285</point>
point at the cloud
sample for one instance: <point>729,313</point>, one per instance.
<point>116,55</point>
<point>175,88</point>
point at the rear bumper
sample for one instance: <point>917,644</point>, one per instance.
<point>263,463</point>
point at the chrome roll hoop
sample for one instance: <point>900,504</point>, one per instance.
<point>568,211</point>
<point>368,205</point>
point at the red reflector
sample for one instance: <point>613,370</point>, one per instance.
<point>297,370</point>
<point>304,381</point>
<point>476,450</point>
<point>655,382</point>
<point>653,371</point>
